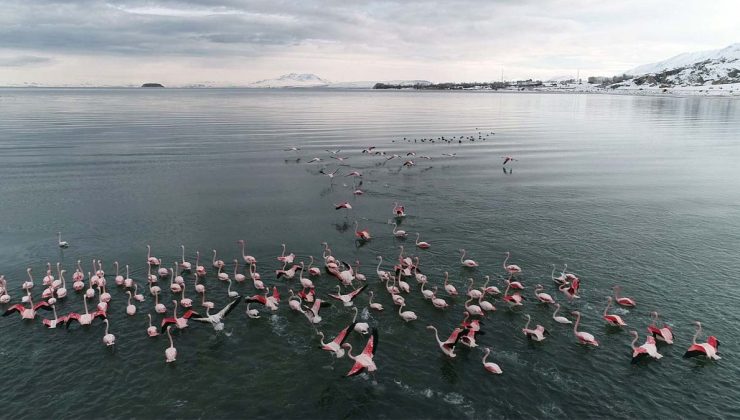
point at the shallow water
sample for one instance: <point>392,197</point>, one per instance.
<point>636,191</point>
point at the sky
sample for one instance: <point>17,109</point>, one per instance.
<point>231,42</point>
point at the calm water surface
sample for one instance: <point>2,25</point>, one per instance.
<point>637,191</point>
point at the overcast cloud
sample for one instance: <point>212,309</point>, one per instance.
<point>234,42</point>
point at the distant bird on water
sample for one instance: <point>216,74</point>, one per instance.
<point>508,159</point>
<point>62,244</point>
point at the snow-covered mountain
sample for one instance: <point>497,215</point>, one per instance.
<point>698,68</point>
<point>292,80</point>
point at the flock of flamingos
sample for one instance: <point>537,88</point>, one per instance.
<point>339,283</point>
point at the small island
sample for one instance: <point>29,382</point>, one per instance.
<point>152,85</point>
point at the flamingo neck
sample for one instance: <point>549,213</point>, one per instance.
<point>436,336</point>
<point>608,305</point>
<point>634,340</point>
<point>529,319</point>
<point>696,334</point>
<point>578,320</point>
<point>507,259</point>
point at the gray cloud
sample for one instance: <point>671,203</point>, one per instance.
<point>23,60</point>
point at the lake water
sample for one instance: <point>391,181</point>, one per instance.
<point>637,191</point>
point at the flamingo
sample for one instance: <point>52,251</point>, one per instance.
<point>472,292</point>
<point>582,336</point>
<point>174,287</point>
<point>78,278</point>
<point>158,307</point>
<point>664,334</point>
<point>398,233</point>
<point>27,285</point>
<point>344,205</point>
<point>428,294</point>
<point>286,259</point>
<point>485,305</point>
<point>130,309</point>
<point>364,360</point>
<point>271,302</point>
<point>205,303</point>
<point>614,320</point>
<point>467,263</point>
<point>561,279</point>
<point>571,290</point>
<point>406,315</point>
<point>149,259</point>
<point>151,330</point>
<point>200,271</point>
<point>30,312</point>
<point>399,210</point>
<point>449,288</point>
<point>305,282</point>
<point>128,281</point>
<point>508,159</point>
<point>473,309</point>
<point>375,306</point>
<point>289,273</point>
<point>62,290</point>
<point>447,347</point>
<point>256,278</point>
<point>439,303</point>
<point>119,278</point>
<point>239,277</point>
<point>363,235</point>
<point>90,292</point>
<point>49,276</point>
<point>217,319</point>
<point>648,349</point>
<point>248,259</point>
<point>335,345</point>
<point>420,278</point>
<point>231,293</point>
<point>170,354</point>
<point>630,303</point>
<point>185,302</point>
<point>542,297</point>
<point>511,268</point>
<point>708,349</point>
<point>61,243</point>
<point>422,244</point>
<point>294,301</point>
<point>86,318</point>
<point>312,313</point>
<point>53,323</point>
<point>349,297</point>
<point>137,296</point>
<point>490,366</point>
<point>359,276</point>
<point>560,319</point>
<point>360,327</point>
<point>513,300</point>
<point>252,313</point>
<point>536,334</point>
<point>221,275</point>
<point>382,274</point>
<point>181,322</point>
<point>490,290</point>
<point>185,265</point>
<point>108,339</point>
<point>405,261</point>
<point>217,263</point>
<point>313,271</point>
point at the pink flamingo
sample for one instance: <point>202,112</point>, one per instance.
<point>86,318</point>
<point>313,271</point>
<point>30,312</point>
<point>131,308</point>
<point>648,349</point>
<point>239,277</point>
<point>62,290</point>
<point>364,360</point>
<point>27,285</point>
<point>422,244</point>
<point>440,303</point>
<point>200,271</point>
<point>614,320</point>
<point>398,233</point>
<point>582,336</point>
<point>53,323</point>
<point>536,334</point>
<point>248,259</point>
<point>335,345</point>
<point>170,354</point>
<point>185,302</point>
<point>511,268</point>
<point>306,283</point>
<point>571,290</point>
<point>489,290</point>
<point>149,258</point>
<point>151,331</point>
<point>128,281</point>
<point>344,205</point>
<point>542,297</point>
<point>375,306</point>
<point>119,278</point>
<point>217,263</point>
<point>630,303</point>
<point>108,339</point>
<point>664,334</point>
<point>399,210</point>
<point>363,235</point>
<point>514,299</point>
<point>708,349</point>
<point>448,346</point>
<point>348,298</point>
<point>185,265</point>
<point>179,322</point>
<point>467,263</point>
<point>560,319</point>
<point>286,259</point>
<point>490,366</point>
<point>449,288</point>
<point>256,278</point>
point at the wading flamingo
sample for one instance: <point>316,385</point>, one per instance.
<point>582,336</point>
<point>490,366</point>
<point>708,349</point>
<point>646,350</point>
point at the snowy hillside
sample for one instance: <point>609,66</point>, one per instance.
<point>698,68</point>
<point>370,84</point>
<point>292,80</point>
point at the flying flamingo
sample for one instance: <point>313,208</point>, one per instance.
<point>514,299</point>
<point>335,345</point>
<point>289,273</point>
<point>30,312</point>
<point>217,319</point>
<point>151,330</point>
<point>86,318</point>
<point>149,259</point>
<point>217,263</point>
<point>560,319</point>
<point>185,265</point>
<point>53,323</point>
<point>375,306</point>
<point>490,366</point>
<point>542,297</point>
<point>582,336</point>
<point>664,334</point>
<point>62,244</point>
<point>349,297</point>
<point>708,349</point>
<point>508,159</point>
<point>345,205</point>
<point>364,360</point>
<point>363,235</point>
<point>248,259</point>
<point>630,303</point>
<point>170,354</point>
<point>108,339</point>
<point>312,313</point>
<point>181,322</point>
<point>467,263</point>
<point>422,244</point>
<point>536,334</point>
<point>511,268</point>
<point>447,347</point>
<point>614,320</point>
<point>647,349</point>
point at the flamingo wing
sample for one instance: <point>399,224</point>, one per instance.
<point>695,350</point>
<point>337,297</point>
<point>257,299</point>
<point>356,368</point>
<point>100,314</point>
<point>372,344</point>
<point>343,335</point>
<point>42,304</point>
<point>275,293</point>
<point>229,307</point>
<point>190,313</point>
<point>17,307</point>
<point>356,292</point>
